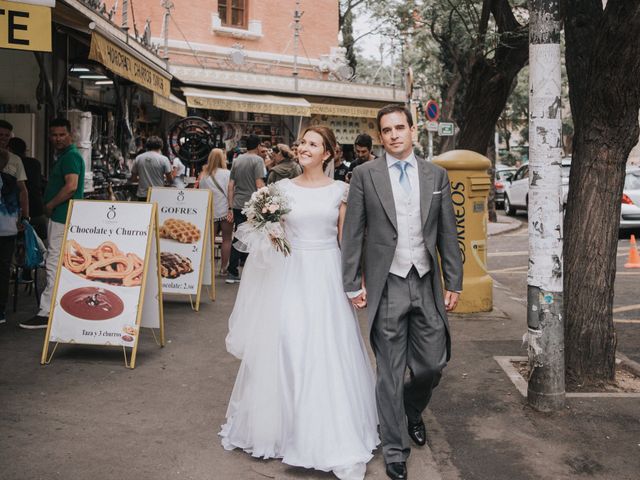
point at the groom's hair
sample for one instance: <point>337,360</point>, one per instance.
<point>386,110</point>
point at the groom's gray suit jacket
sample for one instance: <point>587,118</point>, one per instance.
<point>370,230</point>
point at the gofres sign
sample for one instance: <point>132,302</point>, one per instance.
<point>26,25</point>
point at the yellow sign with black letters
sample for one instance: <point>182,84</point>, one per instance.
<point>25,27</point>
<point>127,66</point>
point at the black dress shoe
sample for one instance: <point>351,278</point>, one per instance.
<point>418,432</point>
<point>397,470</point>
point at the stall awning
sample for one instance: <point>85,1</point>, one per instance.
<point>171,104</point>
<point>246,102</point>
<point>343,110</point>
<point>129,65</point>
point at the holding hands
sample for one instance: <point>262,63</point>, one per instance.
<point>360,301</point>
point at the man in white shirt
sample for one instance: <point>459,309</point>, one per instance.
<point>399,221</point>
<point>14,207</point>
<point>178,173</point>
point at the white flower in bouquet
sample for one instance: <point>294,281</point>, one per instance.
<point>265,211</point>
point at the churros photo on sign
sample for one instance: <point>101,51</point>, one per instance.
<point>105,263</point>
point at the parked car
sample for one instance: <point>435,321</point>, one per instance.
<point>630,211</point>
<point>516,190</point>
<point>503,174</point>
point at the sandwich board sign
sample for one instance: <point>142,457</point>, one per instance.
<point>184,217</point>
<point>108,280</point>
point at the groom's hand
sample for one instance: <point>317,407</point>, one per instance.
<point>360,301</point>
<point>451,300</point>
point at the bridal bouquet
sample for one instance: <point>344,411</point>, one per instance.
<point>265,211</point>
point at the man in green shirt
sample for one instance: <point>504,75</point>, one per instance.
<point>66,182</point>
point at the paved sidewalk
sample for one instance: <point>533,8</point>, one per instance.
<point>504,224</point>
<point>87,417</point>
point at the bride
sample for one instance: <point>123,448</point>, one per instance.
<point>305,389</point>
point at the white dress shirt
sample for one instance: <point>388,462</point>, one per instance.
<point>410,249</point>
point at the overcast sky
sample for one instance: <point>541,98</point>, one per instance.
<point>370,45</point>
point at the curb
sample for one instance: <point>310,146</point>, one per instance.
<point>629,364</point>
<point>510,227</point>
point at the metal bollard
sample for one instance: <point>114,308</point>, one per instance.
<point>470,185</point>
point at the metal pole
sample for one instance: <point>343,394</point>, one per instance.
<point>167,5</point>
<point>546,389</point>
<point>165,32</point>
<point>430,136</point>
<point>297,15</point>
<point>125,16</point>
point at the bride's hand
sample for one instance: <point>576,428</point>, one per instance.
<point>360,301</point>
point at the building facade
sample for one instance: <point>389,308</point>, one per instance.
<point>269,67</point>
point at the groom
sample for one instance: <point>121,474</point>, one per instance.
<point>399,228</point>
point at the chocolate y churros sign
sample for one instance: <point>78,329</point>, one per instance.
<point>184,222</point>
<point>107,284</point>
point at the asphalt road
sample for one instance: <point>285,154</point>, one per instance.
<point>507,261</point>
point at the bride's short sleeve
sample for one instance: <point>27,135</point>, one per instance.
<point>345,192</point>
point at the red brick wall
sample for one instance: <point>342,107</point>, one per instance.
<point>319,35</point>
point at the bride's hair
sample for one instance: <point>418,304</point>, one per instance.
<point>328,140</point>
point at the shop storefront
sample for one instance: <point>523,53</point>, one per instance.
<point>26,35</point>
<point>274,118</point>
<point>70,60</point>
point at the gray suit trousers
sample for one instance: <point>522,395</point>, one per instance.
<point>407,332</point>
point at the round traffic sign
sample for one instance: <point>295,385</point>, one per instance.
<point>432,110</point>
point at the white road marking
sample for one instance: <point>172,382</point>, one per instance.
<point>518,269</point>
<point>507,254</point>
<point>627,308</point>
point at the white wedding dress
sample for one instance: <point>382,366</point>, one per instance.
<point>305,389</point>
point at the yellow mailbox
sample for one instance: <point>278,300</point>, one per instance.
<point>470,185</point>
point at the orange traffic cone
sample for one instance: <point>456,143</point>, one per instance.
<point>634,258</point>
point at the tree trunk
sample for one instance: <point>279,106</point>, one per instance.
<point>492,79</point>
<point>486,97</point>
<point>448,107</point>
<point>603,65</point>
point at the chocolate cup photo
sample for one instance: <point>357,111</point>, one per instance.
<point>91,303</point>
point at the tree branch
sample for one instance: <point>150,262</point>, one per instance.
<point>504,17</point>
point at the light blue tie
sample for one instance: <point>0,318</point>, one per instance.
<point>404,177</point>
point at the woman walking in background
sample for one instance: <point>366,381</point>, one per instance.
<point>215,177</point>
